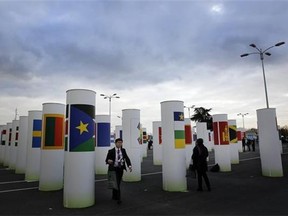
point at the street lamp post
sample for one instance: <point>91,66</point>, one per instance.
<point>191,107</point>
<point>242,117</point>
<point>110,99</point>
<point>261,54</point>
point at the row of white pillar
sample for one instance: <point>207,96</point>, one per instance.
<point>79,157</point>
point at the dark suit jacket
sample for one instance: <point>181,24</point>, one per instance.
<point>200,160</point>
<point>111,156</point>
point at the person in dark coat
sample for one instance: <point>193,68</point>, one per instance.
<point>117,159</point>
<point>199,158</point>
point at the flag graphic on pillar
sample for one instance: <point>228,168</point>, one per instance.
<point>53,131</point>
<point>179,133</point>
<point>188,135</point>
<point>221,133</point>
<point>16,136</point>
<point>10,136</point>
<point>145,137</point>
<point>160,135</point>
<point>233,133</point>
<point>103,134</point>
<point>37,133</point>
<point>3,137</point>
<point>239,135</point>
<point>82,128</point>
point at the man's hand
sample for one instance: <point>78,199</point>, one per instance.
<point>130,168</point>
<point>110,161</point>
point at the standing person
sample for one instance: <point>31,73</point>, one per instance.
<point>199,157</point>
<point>117,159</point>
<point>243,143</point>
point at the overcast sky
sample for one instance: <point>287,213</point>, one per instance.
<point>146,51</point>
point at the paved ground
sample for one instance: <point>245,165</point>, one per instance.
<point>243,191</point>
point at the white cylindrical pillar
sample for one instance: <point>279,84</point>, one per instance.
<point>270,155</point>
<point>52,147</point>
<point>2,143</point>
<point>145,142</point>
<point>221,142</point>
<point>131,135</point>
<point>79,163</point>
<point>188,141</point>
<point>33,145</point>
<point>173,136</point>
<point>157,143</point>
<point>102,143</point>
<point>118,132</point>
<point>7,144</point>
<point>14,144</point>
<point>202,132</point>
<point>240,135</point>
<point>234,153</point>
<point>22,145</point>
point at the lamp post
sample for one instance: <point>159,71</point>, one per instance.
<point>242,117</point>
<point>261,54</point>
<point>110,99</point>
<point>191,107</point>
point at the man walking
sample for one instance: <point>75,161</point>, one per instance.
<point>117,159</point>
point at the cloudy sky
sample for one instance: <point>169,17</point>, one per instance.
<point>146,51</point>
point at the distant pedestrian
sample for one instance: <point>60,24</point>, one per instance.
<point>150,144</point>
<point>243,143</point>
<point>253,144</point>
<point>199,158</point>
<point>249,144</point>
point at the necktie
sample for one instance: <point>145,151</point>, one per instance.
<point>118,157</point>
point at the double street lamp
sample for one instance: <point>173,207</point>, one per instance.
<point>261,54</point>
<point>110,99</point>
<point>189,107</point>
<point>242,117</point>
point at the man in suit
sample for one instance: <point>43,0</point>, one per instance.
<point>117,159</point>
<point>199,157</point>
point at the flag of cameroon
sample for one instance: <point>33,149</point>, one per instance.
<point>53,136</point>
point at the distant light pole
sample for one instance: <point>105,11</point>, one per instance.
<point>261,53</point>
<point>110,99</point>
<point>242,117</point>
<point>191,107</point>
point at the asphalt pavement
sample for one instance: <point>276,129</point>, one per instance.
<point>243,191</point>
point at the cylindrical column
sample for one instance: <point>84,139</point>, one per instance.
<point>233,141</point>
<point>131,135</point>
<point>270,155</point>
<point>173,136</point>
<point>240,135</point>
<point>144,142</point>
<point>102,142</point>
<point>22,147</point>
<point>8,144</point>
<point>157,143</point>
<point>221,142</point>
<point>188,141</point>
<point>2,143</point>
<point>79,163</point>
<point>52,148</point>
<point>14,144</point>
<point>33,145</point>
<point>118,131</point>
<point>202,132</point>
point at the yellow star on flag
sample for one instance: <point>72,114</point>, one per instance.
<point>82,127</point>
<point>181,116</point>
